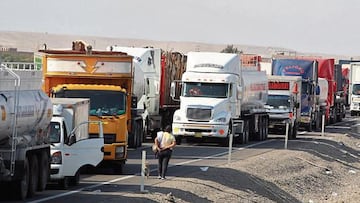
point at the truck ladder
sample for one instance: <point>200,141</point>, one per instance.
<point>14,120</point>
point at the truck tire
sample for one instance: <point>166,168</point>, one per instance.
<point>44,169</point>
<point>263,128</point>
<point>266,127</point>
<point>352,113</point>
<point>34,175</point>
<point>178,139</point>
<point>64,183</point>
<point>246,132</point>
<point>309,127</point>
<point>294,130</point>
<point>21,187</point>
<point>76,179</point>
<point>259,134</point>
<point>132,140</point>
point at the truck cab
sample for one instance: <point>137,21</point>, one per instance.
<point>71,146</point>
<point>284,103</point>
<point>354,89</point>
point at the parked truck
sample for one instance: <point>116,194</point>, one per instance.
<point>219,98</point>
<point>106,78</point>
<point>335,102</point>
<point>72,149</point>
<point>354,89</point>
<point>25,115</point>
<point>311,113</point>
<point>154,70</point>
<point>284,104</point>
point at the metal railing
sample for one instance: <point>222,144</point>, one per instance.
<point>19,65</point>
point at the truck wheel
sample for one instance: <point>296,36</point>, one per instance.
<point>266,124</point>
<point>21,187</point>
<point>309,127</point>
<point>246,132</point>
<point>43,170</point>
<point>263,128</point>
<point>178,139</point>
<point>132,140</point>
<point>139,133</point>
<point>64,183</point>
<point>293,134</point>
<point>76,179</point>
<point>34,177</point>
<point>352,113</point>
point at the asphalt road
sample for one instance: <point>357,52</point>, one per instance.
<point>187,158</point>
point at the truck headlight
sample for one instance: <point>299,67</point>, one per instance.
<point>221,120</point>
<point>119,152</point>
<point>56,158</point>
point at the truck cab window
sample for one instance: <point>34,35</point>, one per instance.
<point>54,132</point>
<point>210,90</point>
<point>356,89</point>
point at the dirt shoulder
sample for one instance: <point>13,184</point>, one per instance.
<point>312,169</point>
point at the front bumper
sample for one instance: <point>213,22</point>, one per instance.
<point>56,172</point>
<point>200,130</point>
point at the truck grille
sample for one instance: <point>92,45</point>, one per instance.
<point>200,114</point>
<point>109,138</point>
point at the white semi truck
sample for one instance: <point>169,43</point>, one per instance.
<point>72,149</point>
<point>284,104</point>
<point>219,98</point>
<point>25,114</point>
<point>354,89</point>
<point>154,70</point>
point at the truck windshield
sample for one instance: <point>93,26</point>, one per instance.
<point>54,132</point>
<point>356,89</point>
<point>102,102</point>
<point>278,101</point>
<point>212,90</point>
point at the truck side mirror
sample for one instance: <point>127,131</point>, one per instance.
<point>172,90</point>
<point>72,139</point>
<point>239,92</point>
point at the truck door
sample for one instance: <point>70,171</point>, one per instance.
<point>83,152</point>
<point>152,89</point>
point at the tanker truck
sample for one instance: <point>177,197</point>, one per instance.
<point>25,115</point>
<point>219,98</point>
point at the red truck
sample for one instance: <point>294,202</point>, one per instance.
<point>335,103</point>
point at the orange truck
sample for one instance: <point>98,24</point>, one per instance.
<point>106,77</point>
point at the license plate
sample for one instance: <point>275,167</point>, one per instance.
<point>198,135</point>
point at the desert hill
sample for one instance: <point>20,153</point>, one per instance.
<point>31,41</point>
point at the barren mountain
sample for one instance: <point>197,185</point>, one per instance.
<point>30,41</point>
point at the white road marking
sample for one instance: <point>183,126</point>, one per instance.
<point>338,127</point>
<point>131,176</point>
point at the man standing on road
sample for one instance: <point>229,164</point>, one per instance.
<point>165,142</point>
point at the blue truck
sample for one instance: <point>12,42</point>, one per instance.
<point>310,91</point>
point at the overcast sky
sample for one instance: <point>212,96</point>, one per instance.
<point>318,26</point>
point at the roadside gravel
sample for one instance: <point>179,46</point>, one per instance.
<point>312,169</point>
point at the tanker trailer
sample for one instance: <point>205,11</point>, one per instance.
<point>220,98</point>
<point>25,114</point>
